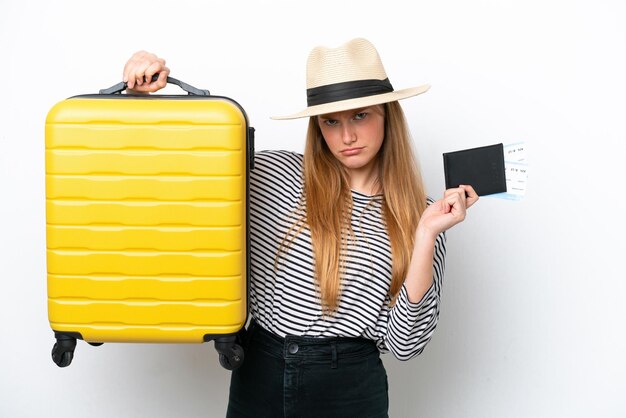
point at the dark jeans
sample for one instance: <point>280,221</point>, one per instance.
<point>298,377</point>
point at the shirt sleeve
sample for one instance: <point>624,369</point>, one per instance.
<point>410,326</point>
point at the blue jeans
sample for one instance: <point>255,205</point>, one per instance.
<point>299,377</point>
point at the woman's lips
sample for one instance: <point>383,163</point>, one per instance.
<point>351,151</point>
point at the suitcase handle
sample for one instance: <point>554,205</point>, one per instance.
<point>191,90</point>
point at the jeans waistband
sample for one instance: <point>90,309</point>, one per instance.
<point>316,349</point>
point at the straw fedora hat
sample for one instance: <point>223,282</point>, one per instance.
<point>350,76</point>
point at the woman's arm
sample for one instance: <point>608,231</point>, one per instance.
<point>412,320</point>
<point>437,218</point>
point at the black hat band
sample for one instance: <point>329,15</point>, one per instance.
<point>347,90</point>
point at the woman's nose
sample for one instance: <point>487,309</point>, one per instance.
<point>348,134</point>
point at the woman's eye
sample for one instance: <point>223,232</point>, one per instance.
<point>360,116</point>
<point>330,122</point>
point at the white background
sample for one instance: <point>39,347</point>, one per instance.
<point>533,315</point>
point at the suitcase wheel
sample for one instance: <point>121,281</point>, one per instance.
<point>232,360</point>
<point>63,351</point>
<point>63,359</point>
<point>94,344</point>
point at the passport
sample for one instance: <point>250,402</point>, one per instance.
<point>482,168</point>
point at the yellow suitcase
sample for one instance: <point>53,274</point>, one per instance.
<point>147,220</point>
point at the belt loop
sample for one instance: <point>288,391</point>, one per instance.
<point>333,348</point>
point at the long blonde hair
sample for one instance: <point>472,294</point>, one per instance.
<point>328,203</point>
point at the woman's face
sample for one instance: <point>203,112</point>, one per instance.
<point>354,136</point>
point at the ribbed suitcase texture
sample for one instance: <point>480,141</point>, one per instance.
<point>146,209</point>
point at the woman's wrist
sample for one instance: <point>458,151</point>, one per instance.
<point>425,235</point>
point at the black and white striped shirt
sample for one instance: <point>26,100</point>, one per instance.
<point>283,296</point>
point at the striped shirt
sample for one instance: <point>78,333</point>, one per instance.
<point>283,296</point>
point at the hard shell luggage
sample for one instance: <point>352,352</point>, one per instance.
<point>147,220</point>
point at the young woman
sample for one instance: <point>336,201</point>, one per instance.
<point>347,252</point>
